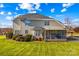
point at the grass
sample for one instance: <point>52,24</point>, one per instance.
<point>37,48</point>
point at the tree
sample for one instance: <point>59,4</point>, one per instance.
<point>76,29</point>
<point>68,25</point>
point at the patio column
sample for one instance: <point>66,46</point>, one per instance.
<point>61,34</point>
<point>44,34</point>
<point>50,33</point>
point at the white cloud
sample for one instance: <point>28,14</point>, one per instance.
<point>46,3</point>
<point>6,25</point>
<point>53,10</point>
<point>37,5</point>
<point>15,13</point>
<point>1,5</point>
<point>59,15</point>
<point>17,8</point>
<point>27,6</point>
<point>75,22</point>
<point>50,16</point>
<point>2,13</point>
<point>67,5</point>
<point>32,12</point>
<point>9,13</point>
<point>9,18</point>
<point>39,9</point>
<point>63,10</point>
<point>31,7</point>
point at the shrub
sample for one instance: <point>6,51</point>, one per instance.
<point>15,36</point>
<point>40,38</point>
<point>28,37</point>
<point>9,35</point>
<point>20,38</point>
<point>35,38</point>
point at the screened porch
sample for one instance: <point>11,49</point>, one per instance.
<point>54,34</point>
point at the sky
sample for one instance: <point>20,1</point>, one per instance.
<point>58,11</point>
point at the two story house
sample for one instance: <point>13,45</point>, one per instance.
<point>40,26</point>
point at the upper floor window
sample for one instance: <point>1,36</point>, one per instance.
<point>26,31</point>
<point>17,31</point>
<point>46,22</point>
<point>28,22</point>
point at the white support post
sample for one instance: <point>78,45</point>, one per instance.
<point>50,34</point>
<point>44,35</point>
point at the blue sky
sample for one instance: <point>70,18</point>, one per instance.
<point>59,11</point>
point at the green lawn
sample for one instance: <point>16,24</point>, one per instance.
<point>13,48</point>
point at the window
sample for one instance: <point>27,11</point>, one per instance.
<point>26,31</point>
<point>46,22</point>
<point>17,31</point>
<point>37,33</point>
<point>28,22</point>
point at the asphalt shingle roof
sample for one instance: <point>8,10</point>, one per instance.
<point>32,16</point>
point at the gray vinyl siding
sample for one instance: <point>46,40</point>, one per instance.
<point>18,25</point>
<point>22,27</point>
<point>41,23</point>
<point>37,23</point>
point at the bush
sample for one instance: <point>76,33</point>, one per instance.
<point>28,37</point>
<point>20,38</point>
<point>35,38</point>
<point>9,35</point>
<point>38,38</point>
<point>15,36</point>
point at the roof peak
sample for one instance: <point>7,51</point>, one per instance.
<point>33,16</point>
<point>36,15</point>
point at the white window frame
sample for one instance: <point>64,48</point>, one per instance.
<point>46,22</point>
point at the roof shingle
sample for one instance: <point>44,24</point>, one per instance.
<point>33,16</point>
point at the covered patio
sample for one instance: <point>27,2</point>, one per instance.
<point>54,33</point>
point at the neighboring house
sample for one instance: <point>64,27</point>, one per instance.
<point>40,26</point>
<point>5,30</point>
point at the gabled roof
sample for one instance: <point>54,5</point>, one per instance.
<point>32,16</point>
<point>35,15</point>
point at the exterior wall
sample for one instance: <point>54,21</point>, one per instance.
<point>30,30</point>
<point>22,27</point>
<point>36,23</point>
<point>56,24</point>
<point>16,26</point>
<point>41,23</point>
